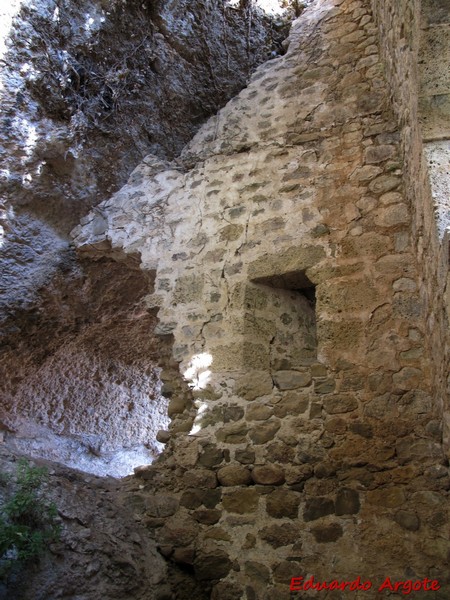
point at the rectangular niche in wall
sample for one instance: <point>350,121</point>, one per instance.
<point>286,315</point>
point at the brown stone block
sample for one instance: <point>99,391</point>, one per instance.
<point>234,475</point>
<point>376,154</point>
<point>368,244</point>
<point>347,502</point>
<point>289,380</point>
<point>283,503</point>
<point>315,508</point>
<point>207,516</point>
<point>200,478</point>
<point>387,497</point>
<point>287,569</point>
<point>254,384</point>
<point>258,412</point>
<point>281,535</point>
<point>268,474</point>
<point>327,533</point>
<point>340,335</point>
<point>264,432</point>
<point>340,403</point>
<point>214,565</point>
<point>292,403</point>
<point>233,433</point>
<point>241,501</point>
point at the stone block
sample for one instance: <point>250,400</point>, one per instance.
<point>392,497</point>
<point>347,502</point>
<point>290,380</point>
<point>234,475</point>
<point>268,474</point>
<point>327,533</point>
<point>200,478</point>
<point>315,508</point>
<point>377,154</point>
<point>258,412</point>
<point>407,520</point>
<point>283,503</point>
<point>264,432</point>
<point>241,501</point>
<point>214,565</point>
<point>340,403</point>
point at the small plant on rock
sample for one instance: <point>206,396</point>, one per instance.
<point>27,520</point>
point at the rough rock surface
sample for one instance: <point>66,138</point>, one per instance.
<point>87,390</point>
<point>104,551</point>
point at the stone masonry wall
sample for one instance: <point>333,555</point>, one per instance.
<point>289,274</point>
<point>416,61</point>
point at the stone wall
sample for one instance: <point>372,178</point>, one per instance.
<point>411,34</point>
<point>290,273</point>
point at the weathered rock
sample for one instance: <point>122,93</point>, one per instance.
<point>338,404</point>
<point>347,502</point>
<point>285,570</point>
<point>268,474</point>
<point>281,535</point>
<point>283,503</point>
<point>161,505</point>
<point>254,385</point>
<point>234,475</point>
<point>212,566</point>
<point>184,555</point>
<point>246,456</point>
<point>257,572</point>
<point>387,497</point>
<point>234,433</point>
<point>179,530</point>
<point>207,516</point>
<point>290,380</point>
<point>225,590</point>
<point>201,478</point>
<point>210,456</point>
<point>241,501</point>
<point>327,533</point>
<point>407,520</point>
<point>317,507</point>
<point>292,403</point>
<point>263,433</point>
<point>258,412</point>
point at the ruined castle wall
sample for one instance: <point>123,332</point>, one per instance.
<point>289,274</point>
<point>414,42</point>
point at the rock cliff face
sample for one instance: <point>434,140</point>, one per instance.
<point>300,274</point>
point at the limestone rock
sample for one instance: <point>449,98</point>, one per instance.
<point>254,385</point>
<point>268,474</point>
<point>212,566</point>
<point>347,502</point>
<point>327,533</point>
<point>283,503</point>
<point>241,501</point>
<point>281,535</point>
<point>201,478</point>
<point>317,507</point>
<point>234,475</point>
<point>290,380</point>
